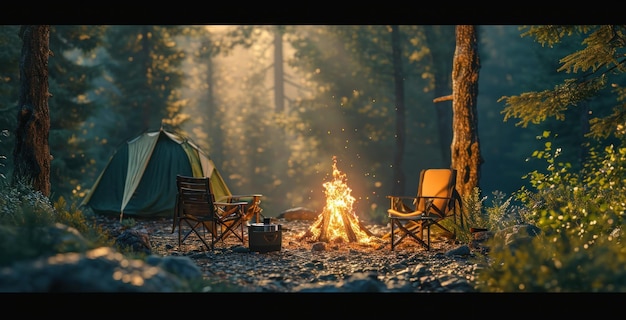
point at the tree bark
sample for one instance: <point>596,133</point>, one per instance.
<point>32,152</point>
<point>465,147</point>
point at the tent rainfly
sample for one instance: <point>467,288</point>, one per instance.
<point>140,177</point>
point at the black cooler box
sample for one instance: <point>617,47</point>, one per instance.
<point>264,237</point>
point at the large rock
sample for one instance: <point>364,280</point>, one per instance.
<point>68,265</point>
<point>299,213</point>
<point>134,241</point>
<point>98,270</point>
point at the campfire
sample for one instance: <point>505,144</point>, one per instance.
<point>337,223</point>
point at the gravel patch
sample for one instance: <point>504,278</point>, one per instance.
<point>302,266</point>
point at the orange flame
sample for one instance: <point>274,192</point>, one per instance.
<point>338,222</point>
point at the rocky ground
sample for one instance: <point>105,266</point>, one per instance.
<point>303,266</point>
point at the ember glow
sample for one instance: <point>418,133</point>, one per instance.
<point>337,222</point>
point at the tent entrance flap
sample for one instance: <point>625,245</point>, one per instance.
<point>139,152</point>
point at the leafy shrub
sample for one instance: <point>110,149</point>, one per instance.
<point>581,215</point>
<point>499,215</point>
<point>19,199</point>
<point>26,213</point>
<point>71,215</point>
<point>472,216</point>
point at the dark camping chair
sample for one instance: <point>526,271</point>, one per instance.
<point>196,208</point>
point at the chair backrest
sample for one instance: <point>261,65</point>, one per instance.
<point>437,183</point>
<point>195,196</point>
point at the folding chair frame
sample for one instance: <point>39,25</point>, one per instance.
<point>406,221</point>
<point>195,207</point>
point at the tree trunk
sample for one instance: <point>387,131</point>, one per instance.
<point>466,158</point>
<point>398,77</point>
<point>32,152</point>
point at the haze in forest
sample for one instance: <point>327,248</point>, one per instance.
<point>337,102</point>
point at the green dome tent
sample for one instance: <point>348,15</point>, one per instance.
<point>140,177</point>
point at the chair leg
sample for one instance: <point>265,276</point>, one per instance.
<point>428,235</point>
<point>194,230</point>
<point>179,236</point>
<point>392,235</point>
<point>401,228</point>
<point>232,225</point>
<point>211,234</point>
<point>175,215</point>
<point>420,239</point>
<point>409,231</point>
<point>202,237</point>
<point>242,236</point>
<point>232,228</point>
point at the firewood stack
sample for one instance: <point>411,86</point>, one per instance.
<point>326,229</point>
<point>337,222</point>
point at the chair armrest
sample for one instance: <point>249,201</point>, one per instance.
<point>239,197</point>
<point>395,214</point>
<point>230,210</point>
<point>434,197</point>
<point>426,214</point>
<point>414,197</point>
<point>399,204</point>
<point>219,203</point>
<point>252,195</point>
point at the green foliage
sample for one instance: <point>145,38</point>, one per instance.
<point>601,64</point>
<point>563,262</point>
<point>536,107</point>
<point>23,212</point>
<point>499,215</point>
<point>563,199</point>
<point>473,215</point>
<point>502,213</point>
<point>551,35</point>
<point>579,207</point>
<point>9,92</point>
<point>581,215</point>
<point>148,87</point>
<point>71,215</point>
<point>613,123</point>
<point>21,205</point>
<point>28,221</point>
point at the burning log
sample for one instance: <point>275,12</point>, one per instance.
<point>337,222</point>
